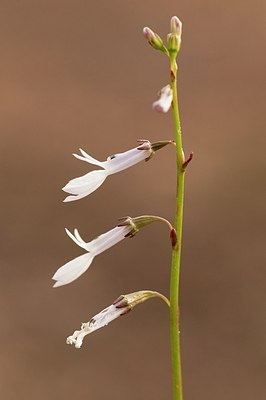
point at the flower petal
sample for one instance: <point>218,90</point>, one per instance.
<point>108,239</point>
<point>119,162</point>
<point>86,157</point>
<point>98,321</point>
<point>77,238</point>
<point>165,101</point>
<point>77,235</point>
<point>84,185</point>
<point>72,270</point>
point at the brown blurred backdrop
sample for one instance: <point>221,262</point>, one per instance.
<point>79,74</point>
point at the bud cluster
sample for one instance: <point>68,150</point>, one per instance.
<point>173,38</point>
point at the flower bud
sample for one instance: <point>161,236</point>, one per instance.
<point>173,42</point>
<point>154,40</point>
<point>174,37</point>
<point>176,25</point>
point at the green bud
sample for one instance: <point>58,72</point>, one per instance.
<point>174,37</point>
<point>173,42</point>
<point>154,40</point>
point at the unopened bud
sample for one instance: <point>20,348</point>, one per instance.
<point>174,37</point>
<point>176,25</point>
<point>154,40</point>
<point>173,42</point>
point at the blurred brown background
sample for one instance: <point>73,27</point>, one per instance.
<point>80,74</point>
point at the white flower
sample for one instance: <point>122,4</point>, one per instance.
<point>165,100</point>
<point>120,306</point>
<point>86,184</point>
<point>127,227</point>
<point>74,268</point>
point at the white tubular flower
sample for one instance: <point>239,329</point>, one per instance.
<point>74,268</point>
<point>165,100</point>
<point>127,227</point>
<point>121,306</point>
<point>86,184</point>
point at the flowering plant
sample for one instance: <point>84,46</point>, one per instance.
<point>82,186</point>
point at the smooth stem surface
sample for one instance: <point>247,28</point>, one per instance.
<point>176,253</point>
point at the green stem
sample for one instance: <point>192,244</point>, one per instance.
<point>176,253</point>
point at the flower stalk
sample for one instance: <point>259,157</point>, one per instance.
<point>168,98</point>
<point>176,252</point>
